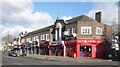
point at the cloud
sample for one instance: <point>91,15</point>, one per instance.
<point>19,16</point>
<point>109,11</point>
<point>66,18</point>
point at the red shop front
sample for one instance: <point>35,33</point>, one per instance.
<point>84,48</point>
<point>55,49</point>
<point>44,50</point>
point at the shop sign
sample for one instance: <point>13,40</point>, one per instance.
<point>89,41</point>
<point>70,42</point>
<point>53,44</point>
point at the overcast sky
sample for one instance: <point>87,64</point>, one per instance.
<point>28,15</point>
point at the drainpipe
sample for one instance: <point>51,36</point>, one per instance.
<point>64,48</point>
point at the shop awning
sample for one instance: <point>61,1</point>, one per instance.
<point>44,44</point>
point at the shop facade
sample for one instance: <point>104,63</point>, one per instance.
<point>84,48</point>
<point>56,49</point>
<point>44,50</point>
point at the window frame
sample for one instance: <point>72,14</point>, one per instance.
<point>73,31</point>
<point>68,30</point>
<point>98,31</point>
<point>86,30</point>
<point>47,37</point>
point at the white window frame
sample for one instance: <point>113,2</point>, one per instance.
<point>41,37</point>
<point>85,30</point>
<point>98,31</point>
<point>36,38</point>
<point>33,38</point>
<point>27,40</point>
<point>73,31</point>
<point>23,40</point>
<point>47,37</point>
<point>68,32</point>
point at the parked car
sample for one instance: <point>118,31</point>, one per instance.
<point>12,53</point>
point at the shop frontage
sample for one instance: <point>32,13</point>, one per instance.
<point>35,47</point>
<point>84,48</point>
<point>44,50</point>
<point>70,47</point>
<point>56,49</point>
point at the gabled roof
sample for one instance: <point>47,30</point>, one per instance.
<point>79,18</point>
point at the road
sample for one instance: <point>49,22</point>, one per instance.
<point>7,60</point>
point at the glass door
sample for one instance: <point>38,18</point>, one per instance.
<point>85,51</point>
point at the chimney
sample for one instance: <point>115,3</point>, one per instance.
<point>98,17</point>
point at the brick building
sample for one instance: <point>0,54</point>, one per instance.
<point>81,36</point>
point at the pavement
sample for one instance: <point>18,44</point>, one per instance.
<point>67,59</point>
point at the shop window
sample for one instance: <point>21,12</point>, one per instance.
<point>98,31</point>
<point>85,30</point>
<point>86,51</point>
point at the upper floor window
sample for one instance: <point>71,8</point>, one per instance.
<point>33,38</point>
<point>68,32</point>
<point>27,40</point>
<point>41,37</point>
<point>85,30</point>
<point>73,31</point>
<point>23,40</point>
<point>44,37</point>
<point>98,31</point>
<point>36,38</point>
<point>47,37</point>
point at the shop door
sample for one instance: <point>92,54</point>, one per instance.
<point>85,51</point>
<point>70,51</point>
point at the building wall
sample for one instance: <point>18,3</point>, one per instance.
<point>71,25</point>
<point>93,25</point>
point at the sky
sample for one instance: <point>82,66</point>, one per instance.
<point>29,15</point>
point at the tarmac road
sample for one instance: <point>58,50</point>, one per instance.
<point>7,60</point>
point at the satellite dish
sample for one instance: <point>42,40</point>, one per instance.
<point>74,35</point>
